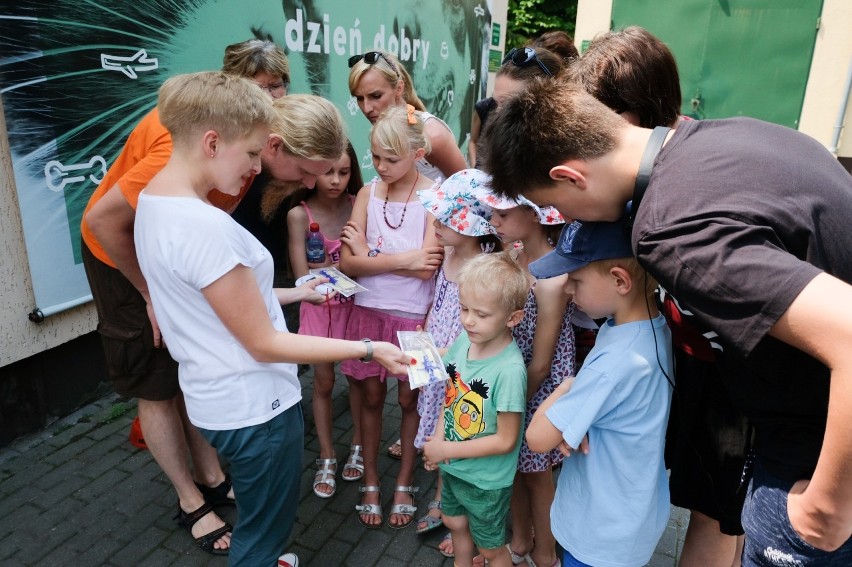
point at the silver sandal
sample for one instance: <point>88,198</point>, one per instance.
<point>354,462</point>
<point>430,522</point>
<point>372,509</point>
<point>325,475</point>
<point>404,509</point>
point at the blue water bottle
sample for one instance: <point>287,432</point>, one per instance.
<point>314,245</point>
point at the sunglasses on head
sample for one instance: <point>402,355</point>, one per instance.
<point>521,57</point>
<point>371,58</point>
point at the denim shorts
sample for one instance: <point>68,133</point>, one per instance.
<point>770,539</point>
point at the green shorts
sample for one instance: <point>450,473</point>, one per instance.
<point>486,510</point>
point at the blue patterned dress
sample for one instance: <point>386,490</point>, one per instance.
<point>561,367</point>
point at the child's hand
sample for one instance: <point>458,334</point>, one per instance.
<point>389,356</point>
<point>567,450</point>
<point>434,452</point>
<point>424,258</point>
<point>354,237</point>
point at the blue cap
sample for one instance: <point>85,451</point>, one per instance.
<point>582,243</point>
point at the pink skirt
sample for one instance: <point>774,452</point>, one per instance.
<point>376,325</point>
<point>328,320</point>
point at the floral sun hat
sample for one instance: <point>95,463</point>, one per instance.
<point>458,202</point>
<point>546,215</point>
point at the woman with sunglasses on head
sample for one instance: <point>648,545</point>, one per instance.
<point>519,66</point>
<point>378,80</point>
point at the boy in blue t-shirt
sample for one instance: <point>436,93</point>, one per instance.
<point>479,433</point>
<point>612,499</point>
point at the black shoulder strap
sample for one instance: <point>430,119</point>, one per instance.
<point>655,143</point>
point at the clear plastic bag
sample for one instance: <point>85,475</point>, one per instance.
<point>429,367</point>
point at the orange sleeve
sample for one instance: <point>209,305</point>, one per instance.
<point>135,179</point>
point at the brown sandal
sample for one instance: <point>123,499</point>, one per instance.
<point>207,541</point>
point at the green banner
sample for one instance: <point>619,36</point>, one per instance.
<point>76,77</point>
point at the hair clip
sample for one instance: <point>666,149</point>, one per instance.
<point>412,120</point>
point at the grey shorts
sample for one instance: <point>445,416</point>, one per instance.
<point>136,368</point>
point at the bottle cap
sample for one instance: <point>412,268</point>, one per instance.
<point>314,227</point>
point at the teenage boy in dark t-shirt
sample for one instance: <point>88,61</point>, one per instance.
<point>746,224</point>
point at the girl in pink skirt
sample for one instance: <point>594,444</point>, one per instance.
<point>329,204</point>
<point>391,248</point>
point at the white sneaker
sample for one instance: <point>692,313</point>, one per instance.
<point>288,560</point>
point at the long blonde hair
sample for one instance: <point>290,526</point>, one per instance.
<point>310,127</point>
<point>393,72</point>
<point>399,130</point>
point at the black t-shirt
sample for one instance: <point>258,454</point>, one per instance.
<point>740,215</point>
<point>272,233</point>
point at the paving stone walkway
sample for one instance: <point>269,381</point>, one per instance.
<point>80,494</point>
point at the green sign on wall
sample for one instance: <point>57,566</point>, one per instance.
<point>73,87</point>
<point>495,34</point>
<point>495,58</point>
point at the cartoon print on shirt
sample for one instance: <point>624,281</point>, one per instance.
<point>463,407</point>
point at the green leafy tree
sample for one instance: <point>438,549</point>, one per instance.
<point>527,19</point>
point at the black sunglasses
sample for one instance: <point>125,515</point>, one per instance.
<point>371,58</point>
<point>521,57</point>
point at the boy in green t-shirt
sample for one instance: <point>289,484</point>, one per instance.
<point>483,410</point>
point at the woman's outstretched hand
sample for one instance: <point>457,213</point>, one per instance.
<point>391,357</point>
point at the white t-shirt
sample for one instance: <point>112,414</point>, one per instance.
<point>184,245</point>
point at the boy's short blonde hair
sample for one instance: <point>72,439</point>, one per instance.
<point>310,127</point>
<point>499,275</point>
<point>212,100</point>
<point>641,278</point>
<point>253,56</point>
<point>394,132</point>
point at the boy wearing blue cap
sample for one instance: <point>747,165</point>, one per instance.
<point>612,501</point>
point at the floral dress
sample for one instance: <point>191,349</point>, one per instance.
<point>561,367</point>
<point>444,323</point>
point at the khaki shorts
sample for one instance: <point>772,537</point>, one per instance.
<point>137,369</point>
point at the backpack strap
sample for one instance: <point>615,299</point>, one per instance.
<point>643,177</point>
